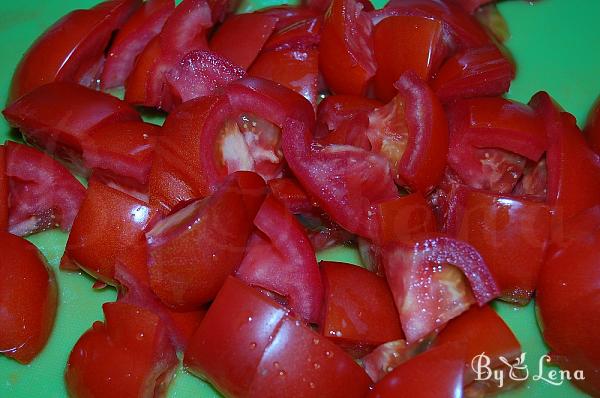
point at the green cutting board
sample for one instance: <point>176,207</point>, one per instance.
<point>556,44</point>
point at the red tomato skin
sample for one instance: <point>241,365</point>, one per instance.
<point>568,303</point>
<point>474,72</point>
<point>241,37</point>
<point>89,246</point>
<point>480,330</point>
<point>128,355</point>
<point>403,43</point>
<point>70,47</point>
<point>422,165</point>
<point>351,181</point>
<point>440,369</point>
<point>186,275</point>
<point>288,267</point>
<point>510,233</point>
<point>121,152</point>
<point>335,109</point>
<point>592,129</point>
<point>359,311</point>
<point>296,70</point>
<point>58,116</point>
<point>404,218</point>
<point>237,328</point>
<point>289,192</point>
<point>287,15</point>
<point>571,164</point>
<point>300,35</point>
<point>4,190</point>
<point>145,24</point>
<point>48,194</point>
<point>28,297</point>
<point>346,56</point>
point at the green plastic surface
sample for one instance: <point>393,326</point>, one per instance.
<point>556,44</point>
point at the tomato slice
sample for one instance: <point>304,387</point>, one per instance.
<point>359,312</point>
<point>570,162</point>
<point>439,369</point>
<point>199,74</point>
<point>427,279</point>
<point>474,72</point>
<point>490,140</point>
<point>43,194</point>
<point>280,259</point>
<point>287,14</point>
<point>4,190</point>
<point>347,182</point>
<point>403,43</point>
<point>346,51</point>
<point>301,35</point>
<point>387,357</point>
<point>145,24</point>
<point>295,69</point>
<point>194,249</point>
<point>411,132</point>
<point>208,138</point>
<point>58,116</point>
<point>104,208</point>
<point>592,130</point>
<point>241,37</point>
<point>28,298</point>
<point>511,234</point>
<point>405,218</point>
<point>71,48</point>
<point>263,352</point>
<point>481,331</point>
<point>568,302</point>
<point>129,355</point>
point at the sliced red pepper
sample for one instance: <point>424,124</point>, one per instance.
<point>510,233</point>
<point>145,24</point>
<point>72,49</point>
<point>193,250</point>
<point>241,37</point>
<point>405,43</point>
<point>490,140</point>
<point>411,132</point>
<point>347,182</point>
<point>43,194</point>
<point>281,259</point>
<point>359,312</point>
<point>103,209</point>
<point>474,72</point>
<point>346,51</point>
<point>427,279</point>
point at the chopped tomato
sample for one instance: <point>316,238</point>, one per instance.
<point>28,298</point>
<point>387,357</point>
<point>193,250</point>
<point>359,312</point>
<point>263,351</point>
<point>127,355</point>
<point>301,35</point>
<point>72,49</point>
<point>405,218</point>
<point>427,279</point>
<point>287,14</point>
<point>43,194</point>
<point>279,258</point>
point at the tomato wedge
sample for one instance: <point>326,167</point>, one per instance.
<point>280,259</point>
<point>300,35</point>
<point>403,43</point>
<point>347,182</point>
<point>193,250</point>
<point>241,37</point>
<point>387,357</point>
<point>72,49</point>
<point>263,351</point>
<point>145,24</point>
<point>405,218</point>
<point>346,51</point>
<point>411,132</point>
<point>89,246</point>
<point>359,312</point>
<point>511,234</point>
<point>427,279</point>
<point>42,193</point>
<point>28,298</point>
<point>127,355</point>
